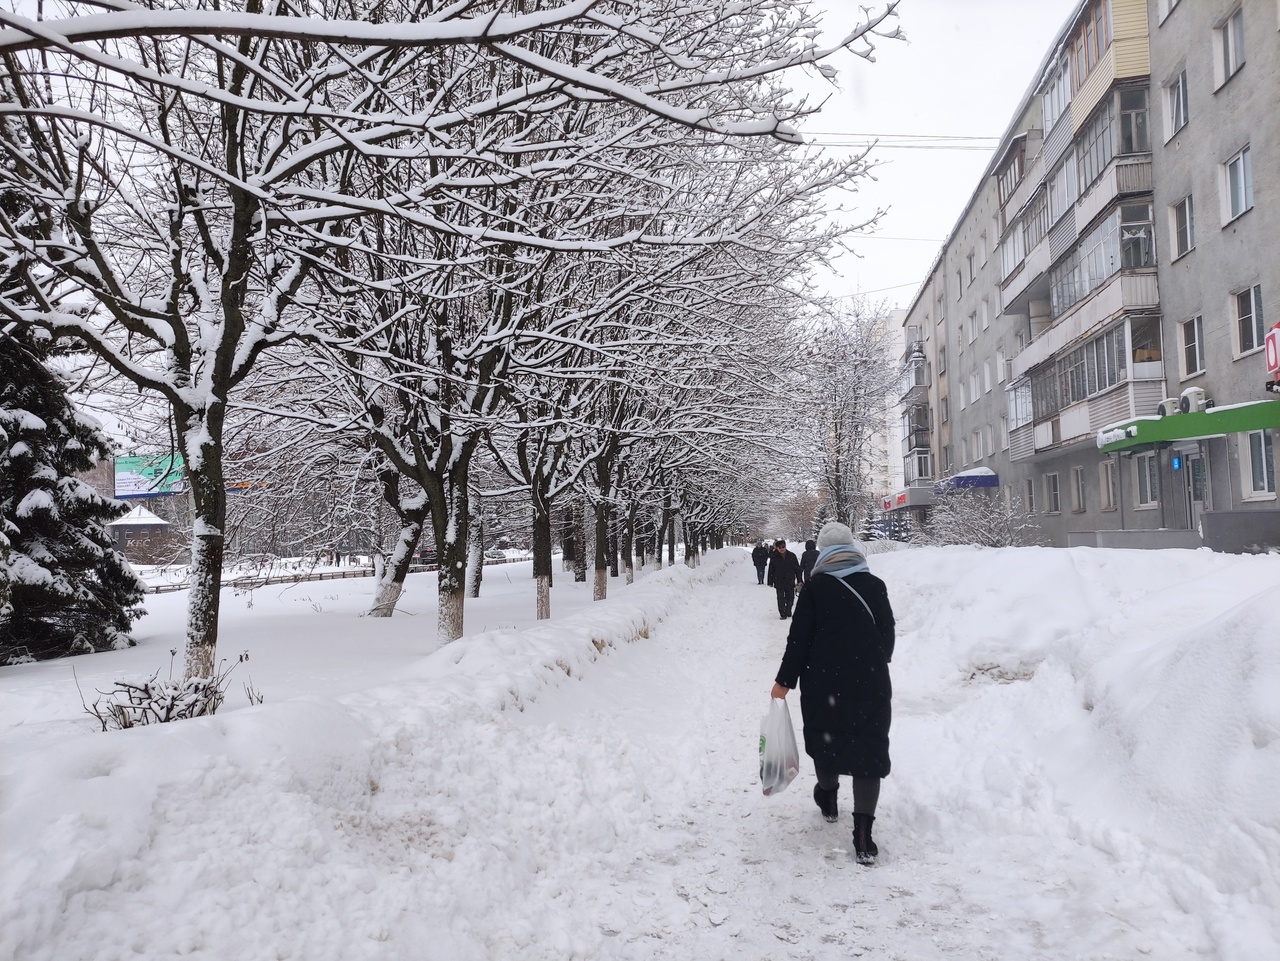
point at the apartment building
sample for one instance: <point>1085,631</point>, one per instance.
<point>1053,366</point>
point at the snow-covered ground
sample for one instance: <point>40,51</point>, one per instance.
<point>1086,754</point>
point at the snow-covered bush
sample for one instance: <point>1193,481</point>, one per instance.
<point>979,518</point>
<point>154,701</point>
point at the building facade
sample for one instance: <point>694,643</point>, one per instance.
<point>1085,338</point>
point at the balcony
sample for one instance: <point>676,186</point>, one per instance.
<point>1134,290</point>
<point>1130,174</point>
<point>916,440</point>
<point>915,383</point>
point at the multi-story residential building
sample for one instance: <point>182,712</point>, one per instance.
<point>1055,355</point>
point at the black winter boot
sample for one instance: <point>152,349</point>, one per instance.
<point>863,846</point>
<point>826,800</point>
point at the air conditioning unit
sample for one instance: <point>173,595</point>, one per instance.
<point>1167,406</point>
<point>1193,398</point>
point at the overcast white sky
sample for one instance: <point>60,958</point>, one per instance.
<point>961,73</point>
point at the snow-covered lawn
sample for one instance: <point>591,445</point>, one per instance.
<point>1086,754</point>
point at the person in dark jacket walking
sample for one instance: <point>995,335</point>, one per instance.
<point>760,558</point>
<point>808,558</point>
<point>784,574</point>
<point>838,653</point>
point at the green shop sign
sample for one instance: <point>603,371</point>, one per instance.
<point>1192,425</point>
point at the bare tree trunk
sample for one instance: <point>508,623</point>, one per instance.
<point>542,552</point>
<point>451,529</point>
<point>671,540</point>
<point>580,540</point>
<point>475,556</point>
<point>628,540</point>
<point>390,584</point>
<point>209,502</point>
<point>600,589</point>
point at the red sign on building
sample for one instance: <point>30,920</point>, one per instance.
<point>1273,350</point>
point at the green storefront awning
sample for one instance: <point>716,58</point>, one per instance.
<point>1193,425</point>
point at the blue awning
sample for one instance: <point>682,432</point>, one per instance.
<point>968,480</point>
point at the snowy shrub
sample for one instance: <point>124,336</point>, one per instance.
<point>977,518</point>
<point>154,701</point>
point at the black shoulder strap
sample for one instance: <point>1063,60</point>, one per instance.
<point>851,590</point>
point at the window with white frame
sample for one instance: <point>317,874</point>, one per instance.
<point>942,360</point>
<point>1000,365</point>
<point>974,387</point>
<point>1183,226</point>
<point>977,446</point>
<point>1193,346</point>
<point>1237,186</point>
<point>945,404</point>
<point>973,326</point>
<point>964,451</point>
<point>941,312</point>
<point>1077,490</point>
<point>1063,191</point>
<point>1057,95</point>
<point>986,376</point>
<point>989,440</point>
<point>982,247</point>
<point>1052,503</point>
<point>1107,484</point>
<point>1134,125</point>
<point>964,401</point>
<point>1031,495</point>
<point>960,338</point>
<point>1021,406</point>
<point>1249,322</point>
<point>1261,471</point>
<point>959,284</point>
<point>973,266</point>
<point>1228,39</point>
<point>1004,433</point>
<point>1164,7</point>
<point>1147,478</point>
<point>984,311</point>
<point>1177,111</point>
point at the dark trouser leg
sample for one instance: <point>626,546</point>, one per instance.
<point>759,573</point>
<point>866,792</point>
<point>786,597</point>
<point>827,780</point>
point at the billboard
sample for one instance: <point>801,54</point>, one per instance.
<point>149,475</point>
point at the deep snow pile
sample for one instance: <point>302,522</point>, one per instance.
<point>1086,758</point>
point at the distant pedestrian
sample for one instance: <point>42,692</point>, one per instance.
<point>784,574</point>
<point>760,558</point>
<point>838,653</point>
<point>807,559</point>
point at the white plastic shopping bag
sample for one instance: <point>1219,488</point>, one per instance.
<point>779,756</point>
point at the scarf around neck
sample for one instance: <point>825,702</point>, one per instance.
<point>840,560</point>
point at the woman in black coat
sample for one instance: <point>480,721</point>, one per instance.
<point>838,653</point>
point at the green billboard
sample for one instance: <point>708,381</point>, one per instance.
<point>149,475</point>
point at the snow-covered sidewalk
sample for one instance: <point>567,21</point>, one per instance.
<point>1086,753</point>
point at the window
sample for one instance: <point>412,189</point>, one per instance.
<point>1004,433</point>
<point>1249,319</point>
<point>974,389</point>
<point>973,327</point>
<point>1165,7</point>
<point>1000,366</point>
<point>964,452</point>
<point>1021,408</point>
<point>1096,144</point>
<point>960,338</point>
<point>1148,480</point>
<point>1262,463</point>
<point>989,440</point>
<point>1229,41</point>
<point>986,376</point>
<point>982,246</point>
<point>1077,490</point>
<point>942,309</point>
<point>959,285</point>
<point>1031,496</point>
<point>946,409</point>
<point>1093,367</point>
<point>1134,136</point>
<point>1062,188</point>
<point>973,267</point>
<point>1008,179</point>
<point>1125,239</point>
<point>977,446</point>
<point>1176,109</point>
<point>963,400</point>
<point>1057,95</point>
<point>985,311</point>
<point>1237,185</point>
<point>1184,226</point>
<point>1107,484</point>
<point>1193,346</point>
<point>1052,505</point>
<point>942,360</point>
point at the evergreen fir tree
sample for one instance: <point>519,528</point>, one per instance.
<point>64,589</point>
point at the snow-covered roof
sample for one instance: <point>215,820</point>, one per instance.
<point>139,517</point>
